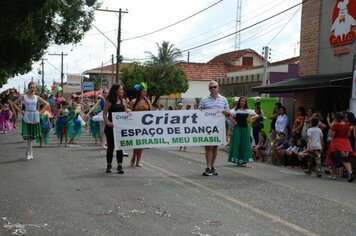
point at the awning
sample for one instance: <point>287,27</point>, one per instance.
<point>307,83</point>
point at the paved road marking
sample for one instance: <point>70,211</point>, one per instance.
<point>231,199</point>
<point>290,172</point>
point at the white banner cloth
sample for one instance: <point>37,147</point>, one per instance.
<point>150,129</point>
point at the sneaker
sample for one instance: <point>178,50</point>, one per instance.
<point>307,172</point>
<point>119,170</point>
<point>332,177</point>
<point>318,174</point>
<point>207,172</point>
<point>29,157</point>
<point>350,177</point>
<point>213,170</point>
<point>125,154</point>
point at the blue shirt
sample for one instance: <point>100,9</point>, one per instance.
<point>102,103</point>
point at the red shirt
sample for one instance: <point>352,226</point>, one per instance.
<point>341,141</point>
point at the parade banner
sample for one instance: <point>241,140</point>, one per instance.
<point>150,129</point>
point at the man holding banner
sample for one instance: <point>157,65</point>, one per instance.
<point>214,101</point>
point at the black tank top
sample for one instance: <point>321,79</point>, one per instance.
<point>115,108</point>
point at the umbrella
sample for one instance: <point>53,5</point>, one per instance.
<point>91,94</point>
<point>56,88</point>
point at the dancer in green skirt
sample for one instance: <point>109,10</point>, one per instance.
<point>240,144</point>
<point>31,127</point>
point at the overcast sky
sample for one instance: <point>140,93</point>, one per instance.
<point>281,34</point>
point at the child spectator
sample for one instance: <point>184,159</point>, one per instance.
<point>315,146</point>
<point>290,155</point>
<point>279,146</point>
<point>259,150</point>
<point>303,152</point>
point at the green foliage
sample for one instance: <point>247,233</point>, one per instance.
<point>161,80</point>
<point>166,54</point>
<point>29,27</point>
<point>161,74</point>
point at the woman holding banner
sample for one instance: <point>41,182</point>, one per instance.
<point>140,103</point>
<point>115,102</point>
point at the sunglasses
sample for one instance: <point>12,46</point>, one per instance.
<point>213,87</point>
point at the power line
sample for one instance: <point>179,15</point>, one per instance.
<point>104,35</point>
<point>284,26</point>
<point>53,66</point>
<point>257,23</point>
<point>174,23</point>
<point>228,25</point>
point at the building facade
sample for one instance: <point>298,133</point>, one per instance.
<point>327,48</point>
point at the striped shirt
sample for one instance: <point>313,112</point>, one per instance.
<point>210,103</point>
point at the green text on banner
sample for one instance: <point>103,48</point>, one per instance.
<point>149,129</point>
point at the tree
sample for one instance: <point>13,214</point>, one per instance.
<point>161,74</point>
<point>29,27</point>
<point>167,54</point>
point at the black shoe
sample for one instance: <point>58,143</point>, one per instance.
<point>213,170</point>
<point>207,172</point>
<point>318,174</point>
<point>307,172</point>
<point>350,177</point>
<point>108,168</point>
<point>119,170</point>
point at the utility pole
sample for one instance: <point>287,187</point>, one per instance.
<point>353,88</point>
<point>118,46</point>
<point>112,70</point>
<point>42,74</point>
<point>101,76</point>
<point>265,67</point>
<point>118,56</point>
<point>265,74</point>
<point>61,54</point>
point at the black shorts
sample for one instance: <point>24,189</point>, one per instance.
<point>339,159</point>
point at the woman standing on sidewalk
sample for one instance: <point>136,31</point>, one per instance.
<point>115,102</point>
<point>31,128</point>
<point>140,103</point>
<point>340,149</point>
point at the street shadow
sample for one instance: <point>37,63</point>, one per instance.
<point>15,142</point>
<point>96,175</point>
<point>13,161</point>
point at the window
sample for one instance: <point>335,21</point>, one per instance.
<point>247,61</point>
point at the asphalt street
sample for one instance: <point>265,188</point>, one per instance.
<point>65,191</point>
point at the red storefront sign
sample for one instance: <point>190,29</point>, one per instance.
<point>343,26</point>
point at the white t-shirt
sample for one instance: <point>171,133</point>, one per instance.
<point>315,134</point>
<point>246,111</point>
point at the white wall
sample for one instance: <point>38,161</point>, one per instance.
<point>257,61</point>
<point>277,68</point>
<point>197,89</point>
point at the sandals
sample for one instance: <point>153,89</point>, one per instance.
<point>132,162</point>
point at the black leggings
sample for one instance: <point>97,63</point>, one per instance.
<point>109,133</point>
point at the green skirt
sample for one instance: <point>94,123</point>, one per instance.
<point>240,146</point>
<point>30,131</point>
